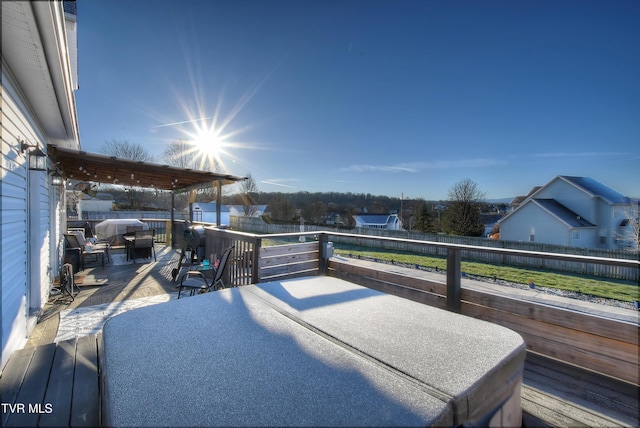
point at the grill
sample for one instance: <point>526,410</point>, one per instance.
<point>192,238</point>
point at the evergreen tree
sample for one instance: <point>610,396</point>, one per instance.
<point>424,220</point>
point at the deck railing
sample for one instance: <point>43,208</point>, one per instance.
<point>362,236</point>
<point>604,345</point>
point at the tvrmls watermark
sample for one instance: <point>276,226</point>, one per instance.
<point>40,408</point>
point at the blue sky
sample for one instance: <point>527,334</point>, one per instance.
<point>381,97</point>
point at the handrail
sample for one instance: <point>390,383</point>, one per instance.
<point>454,272</point>
<point>504,251</point>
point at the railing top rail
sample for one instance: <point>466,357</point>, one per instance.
<point>505,251</point>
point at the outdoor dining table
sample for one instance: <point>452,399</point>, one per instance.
<point>315,351</point>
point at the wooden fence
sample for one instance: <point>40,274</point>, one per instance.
<point>603,345</point>
<point>405,244</point>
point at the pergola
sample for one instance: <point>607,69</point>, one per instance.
<point>80,165</point>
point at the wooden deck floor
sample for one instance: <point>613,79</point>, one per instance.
<point>61,381</point>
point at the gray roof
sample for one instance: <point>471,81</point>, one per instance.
<point>563,213</point>
<point>521,198</point>
<point>596,188</point>
<point>210,207</point>
<point>373,218</point>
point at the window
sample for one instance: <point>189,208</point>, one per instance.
<point>532,234</point>
<point>603,233</point>
<point>576,234</point>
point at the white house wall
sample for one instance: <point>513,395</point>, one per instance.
<point>547,228</point>
<point>584,237</point>
<point>26,270</point>
<point>605,221</point>
<point>14,224</point>
<point>39,257</point>
<point>571,197</point>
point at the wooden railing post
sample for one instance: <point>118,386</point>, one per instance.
<point>453,280</point>
<point>323,239</point>
<point>255,261</point>
<point>168,235</point>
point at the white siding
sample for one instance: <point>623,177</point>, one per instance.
<point>571,197</point>
<point>548,229</point>
<point>584,237</point>
<point>39,110</point>
<point>13,247</point>
<point>38,256</point>
<point>26,256</point>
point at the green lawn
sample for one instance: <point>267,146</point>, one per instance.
<point>594,286</point>
<point>625,291</point>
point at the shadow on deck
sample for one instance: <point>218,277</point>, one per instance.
<point>58,384</point>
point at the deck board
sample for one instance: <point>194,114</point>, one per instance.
<point>32,391</point>
<point>60,387</point>
<point>85,405</point>
<point>13,378</point>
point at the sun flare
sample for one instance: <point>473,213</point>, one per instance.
<point>207,143</point>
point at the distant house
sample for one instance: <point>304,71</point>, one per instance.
<point>94,205</point>
<point>378,221</point>
<point>206,212</point>
<point>571,211</point>
<point>239,210</point>
<point>333,219</point>
<point>515,203</point>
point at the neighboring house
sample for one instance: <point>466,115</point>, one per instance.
<point>38,111</point>
<point>515,203</point>
<point>94,205</point>
<point>239,210</point>
<point>570,211</point>
<point>206,212</point>
<point>333,219</point>
<point>378,221</point>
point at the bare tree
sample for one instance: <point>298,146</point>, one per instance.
<point>465,190</point>
<point>314,212</point>
<point>463,216</point>
<point>248,191</point>
<point>281,209</point>
<point>125,150</point>
<point>180,153</point>
<point>629,229</point>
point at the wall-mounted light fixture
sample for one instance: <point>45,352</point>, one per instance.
<point>57,179</point>
<point>37,158</point>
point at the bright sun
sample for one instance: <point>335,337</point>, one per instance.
<point>208,143</point>
<point>208,146</point>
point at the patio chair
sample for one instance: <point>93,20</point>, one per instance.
<point>92,243</point>
<point>196,281</point>
<point>85,251</point>
<point>133,229</point>
<point>143,243</point>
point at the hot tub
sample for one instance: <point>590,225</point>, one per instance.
<point>315,351</point>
